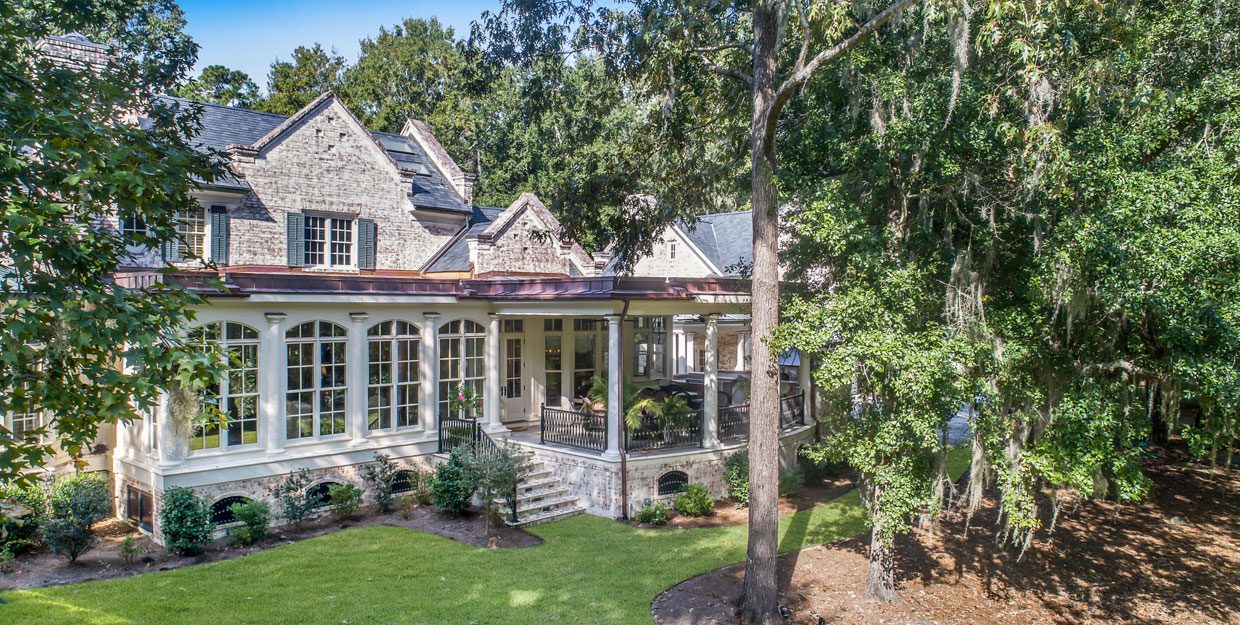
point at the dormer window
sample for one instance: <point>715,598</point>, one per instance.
<point>191,226</point>
<point>329,241</point>
<point>672,249</point>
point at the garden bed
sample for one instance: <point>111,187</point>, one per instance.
<point>728,513</point>
<point>43,568</point>
<point>1171,561</point>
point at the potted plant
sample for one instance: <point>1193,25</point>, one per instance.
<point>466,403</point>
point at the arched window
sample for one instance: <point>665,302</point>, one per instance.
<point>673,482</point>
<point>462,364</point>
<point>317,385</point>
<point>405,481</point>
<point>235,394</point>
<point>392,389</point>
<point>221,511</point>
<point>320,494</point>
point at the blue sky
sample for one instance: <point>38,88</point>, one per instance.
<point>250,35</point>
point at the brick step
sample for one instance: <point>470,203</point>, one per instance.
<point>535,484</point>
<point>550,492</point>
<point>548,516</point>
<point>548,503</point>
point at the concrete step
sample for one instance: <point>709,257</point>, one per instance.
<point>549,492</point>
<point>548,516</point>
<point>535,484</point>
<point>561,501</point>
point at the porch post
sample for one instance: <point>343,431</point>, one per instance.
<point>805,382</point>
<point>490,407</point>
<point>615,388</point>
<point>710,384</point>
<point>356,374</point>
<point>428,373</point>
<point>273,371</point>
<point>690,353</point>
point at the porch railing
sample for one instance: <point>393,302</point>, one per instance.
<point>584,430</point>
<point>734,423</point>
<point>654,435</point>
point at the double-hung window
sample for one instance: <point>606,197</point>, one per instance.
<point>650,347</point>
<point>191,225</point>
<point>329,241</point>
<point>235,395</point>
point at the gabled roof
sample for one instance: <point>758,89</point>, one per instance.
<point>224,126</point>
<point>726,239</point>
<point>455,255</point>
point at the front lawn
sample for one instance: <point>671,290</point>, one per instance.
<point>589,570</point>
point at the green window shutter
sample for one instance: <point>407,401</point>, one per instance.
<point>171,250</point>
<point>296,240</point>
<point>219,235</point>
<point>366,232</point>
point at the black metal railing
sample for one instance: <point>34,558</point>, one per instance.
<point>792,411</point>
<point>584,430</point>
<point>734,423</point>
<point>456,432</point>
<point>653,434</point>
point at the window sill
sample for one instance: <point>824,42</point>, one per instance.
<point>395,432</point>
<point>221,451</point>
<point>328,269</point>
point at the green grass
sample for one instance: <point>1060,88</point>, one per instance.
<point>589,570</point>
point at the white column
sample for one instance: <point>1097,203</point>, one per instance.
<point>168,455</point>
<point>355,373</point>
<point>615,388</point>
<point>742,342</point>
<point>678,341</point>
<point>490,409</point>
<point>690,352</point>
<point>710,384</point>
<point>804,381</point>
<point>428,373</point>
<point>272,363</point>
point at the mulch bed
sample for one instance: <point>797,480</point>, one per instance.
<point>728,513</point>
<point>43,568</point>
<point>1174,560</point>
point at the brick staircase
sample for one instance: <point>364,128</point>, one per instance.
<point>541,497</point>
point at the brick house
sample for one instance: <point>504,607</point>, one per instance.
<point>365,290</point>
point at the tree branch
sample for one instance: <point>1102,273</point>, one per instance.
<point>745,79</point>
<point>801,13</point>
<point>726,46</point>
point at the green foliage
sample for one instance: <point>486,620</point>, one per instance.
<point>466,402</point>
<point>295,83</point>
<point>654,514</point>
<point>255,517</point>
<point>186,520</point>
<point>496,474</point>
<point>77,502</point>
<point>694,500</point>
<point>454,484</point>
<point>129,549</point>
<point>381,476</point>
<point>290,495</point>
<point>789,482</point>
<point>736,476</point>
<point>69,164</point>
<point>345,500</point>
<point>219,85</point>
<point>815,467</point>
<point>19,532</point>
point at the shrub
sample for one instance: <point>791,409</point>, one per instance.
<point>496,475</point>
<point>453,485</point>
<point>695,500</point>
<point>789,482</point>
<point>290,495</point>
<point>654,514</point>
<point>255,516</point>
<point>186,521</point>
<point>422,492</point>
<point>7,559</point>
<point>77,503</point>
<point>20,530</point>
<point>405,504</point>
<point>816,466</point>
<point>736,475</point>
<point>345,499</point>
<point>129,549</point>
<point>381,476</point>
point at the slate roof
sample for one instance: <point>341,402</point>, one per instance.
<point>724,238</point>
<point>223,126</point>
<point>455,255</point>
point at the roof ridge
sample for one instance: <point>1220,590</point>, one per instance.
<point>225,106</point>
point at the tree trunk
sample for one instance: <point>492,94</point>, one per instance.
<point>759,605</point>
<point>881,584</point>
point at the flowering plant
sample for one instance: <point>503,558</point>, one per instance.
<point>465,401</point>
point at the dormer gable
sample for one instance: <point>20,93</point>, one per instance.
<point>462,182</point>
<point>525,239</point>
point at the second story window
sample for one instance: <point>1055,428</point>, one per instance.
<point>328,241</point>
<point>192,229</point>
<point>133,226</point>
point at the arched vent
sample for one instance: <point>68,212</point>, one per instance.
<point>320,494</point>
<point>404,481</point>
<point>221,511</point>
<point>673,482</point>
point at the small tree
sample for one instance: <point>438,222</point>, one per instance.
<point>381,477</point>
<point>186,521</point>
<point>77,503</point>
<point>290,495</point>
<point>497,473</point>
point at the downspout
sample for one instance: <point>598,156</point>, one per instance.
<point>624,464</point>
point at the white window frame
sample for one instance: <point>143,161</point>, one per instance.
<point>224,395</point>
<point>181,218</point>
<point>329,224</point>
<point>465,367</point>
<point>393,339</point>
<point>315,372</point>
<point>31,421</point>
<point>646,347</point>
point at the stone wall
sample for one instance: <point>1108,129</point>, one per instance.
<point>727,351</point>
<point>527,245</point>
<point>659,263</point>
<point>327,163</point>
